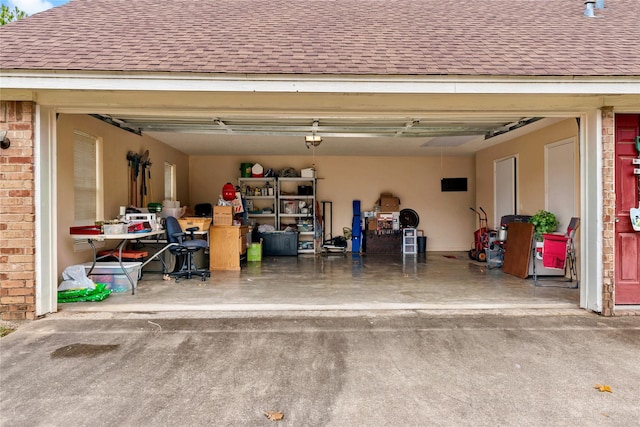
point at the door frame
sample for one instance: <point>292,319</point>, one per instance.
<point>46,208</point>
<point>591,208</point>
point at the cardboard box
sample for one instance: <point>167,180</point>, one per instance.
<point>388,220</point>
<point>223,215</point>
<point>389,203</point>
<point>372,223</point>
<point>308,173</point>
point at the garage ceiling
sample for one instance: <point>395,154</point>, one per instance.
<point>341,136</point>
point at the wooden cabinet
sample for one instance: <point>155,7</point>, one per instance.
<point>227,245</point>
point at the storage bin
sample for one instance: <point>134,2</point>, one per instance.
<point>112,275</point>
<point>245,170</point>
<point>279,243</point>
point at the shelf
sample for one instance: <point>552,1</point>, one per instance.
<point>260,200</point>
<point>296,179</point>
<point>264,178</point>
<point>295,197</point>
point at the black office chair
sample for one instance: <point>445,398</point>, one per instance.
<point>184,248</point>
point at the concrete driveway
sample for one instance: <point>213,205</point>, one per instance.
<point>322,369</point>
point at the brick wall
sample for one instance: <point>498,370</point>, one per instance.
<point>608,211</point>
<point>17,213</point>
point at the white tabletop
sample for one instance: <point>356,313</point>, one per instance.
<point>127,236</point>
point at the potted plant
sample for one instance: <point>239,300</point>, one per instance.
<point>543,222</point>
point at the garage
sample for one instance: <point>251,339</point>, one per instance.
<point>382,131</point>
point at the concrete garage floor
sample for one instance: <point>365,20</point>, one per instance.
<point>432,281</point>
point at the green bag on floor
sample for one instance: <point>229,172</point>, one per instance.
<point>79,295</point>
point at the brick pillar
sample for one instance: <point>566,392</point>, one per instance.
<point>17,213</point>
<point>608,211</point>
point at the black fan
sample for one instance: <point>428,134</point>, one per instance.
<point>409,218</point>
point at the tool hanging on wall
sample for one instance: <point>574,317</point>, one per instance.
<point>134,160</point>
<point>136,172</point>
<point>144,159</point>
<point>149,180</point>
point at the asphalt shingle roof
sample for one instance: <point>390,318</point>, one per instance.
<point>336,37</point>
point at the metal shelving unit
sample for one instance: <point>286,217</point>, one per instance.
<point>296,206</point>
<point>260,194</point>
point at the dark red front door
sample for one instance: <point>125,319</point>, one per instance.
<point>627,276</point>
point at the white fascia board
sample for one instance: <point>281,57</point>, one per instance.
<point>10,79</point>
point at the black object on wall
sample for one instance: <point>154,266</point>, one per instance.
<point>453,184</point>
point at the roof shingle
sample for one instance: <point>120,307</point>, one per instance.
<point>339,37</point>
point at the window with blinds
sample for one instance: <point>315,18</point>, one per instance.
<point>85,178</point>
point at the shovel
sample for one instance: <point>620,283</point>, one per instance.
<point>131,163</point>
<point>144,161</point>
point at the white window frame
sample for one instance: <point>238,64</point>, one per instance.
<point>170,186</point>
<point>97,162</point>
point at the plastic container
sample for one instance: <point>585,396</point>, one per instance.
<point>112,275</point>
<point>115,228</point>
<point>279,243</point>
<point>245,170</point>
<point>257,171</point>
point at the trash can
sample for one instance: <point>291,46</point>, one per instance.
<point>422,244</point>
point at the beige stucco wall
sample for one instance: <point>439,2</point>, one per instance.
<point>444,217</point>
<point>115,143</point>
<point>529,150</point>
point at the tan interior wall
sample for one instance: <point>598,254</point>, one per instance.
<point>444,217</point>
<point>530,167</point>
<point>116,144</point>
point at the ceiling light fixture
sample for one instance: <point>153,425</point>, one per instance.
<point>313,139</point>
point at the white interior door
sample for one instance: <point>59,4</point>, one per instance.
<point>504,189</point>
<point>560,181</point>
